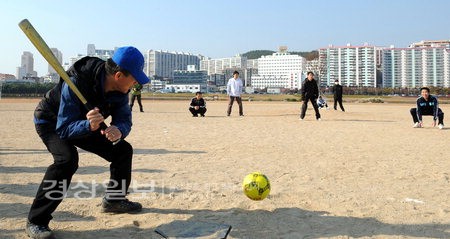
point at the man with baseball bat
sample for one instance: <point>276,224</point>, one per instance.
<point>64,123</point>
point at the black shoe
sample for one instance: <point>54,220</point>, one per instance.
<point>142,110</point>
<point>202,115</point>
<point>39,231</point>
<point>194,115</point>
<point>120,206</point>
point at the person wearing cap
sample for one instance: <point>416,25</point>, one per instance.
<point>198,105</point>
<point>234,91</point>
<point>64,124</point>
<point>427,105</point>
<point>337,95</point>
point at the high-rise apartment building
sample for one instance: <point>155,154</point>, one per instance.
<point>253,63</point>
<point>281,70</point>
<point>162,64</point>
<point>416,67</point>
<point>351,65</point>
<point>27,61</point>
<point>218,66</point>
<point>280,63</point>
<point>26,67</point>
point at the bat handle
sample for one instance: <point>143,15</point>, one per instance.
<point>116,142</point>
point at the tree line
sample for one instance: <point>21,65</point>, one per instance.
<point>25,89</point>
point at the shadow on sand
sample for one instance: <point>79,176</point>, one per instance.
<point>280,223</point>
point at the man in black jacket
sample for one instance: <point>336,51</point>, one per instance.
<point>337,94</point>
<point>310,92</point>
<point>427,105</point>
<point>198,105</point>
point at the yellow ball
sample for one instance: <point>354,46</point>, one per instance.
<point>256,186</point>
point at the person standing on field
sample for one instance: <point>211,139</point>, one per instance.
<point>337,94</point>
<point>310,92</point>
<point>234,91</point>
<point>136,94</point>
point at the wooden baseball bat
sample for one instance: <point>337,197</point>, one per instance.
<point>48,55</point>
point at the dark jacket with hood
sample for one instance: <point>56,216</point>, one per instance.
<point>60,105</point>
<point>337,91</point>
<point>310,90</point>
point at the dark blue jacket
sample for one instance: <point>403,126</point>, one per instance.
<point>427,107</point>
<point>61,106</point>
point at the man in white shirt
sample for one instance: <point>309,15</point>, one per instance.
<point>234,91</point>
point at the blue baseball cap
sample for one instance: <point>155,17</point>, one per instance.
<point>132,60</point>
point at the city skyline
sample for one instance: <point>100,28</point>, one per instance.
<point>216,29</point>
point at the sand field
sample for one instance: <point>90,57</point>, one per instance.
<point>365,173</point>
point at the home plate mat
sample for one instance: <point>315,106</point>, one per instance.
<point>190,229</point>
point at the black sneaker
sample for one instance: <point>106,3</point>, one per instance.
<point>120,206</point>
<point>39,231</point>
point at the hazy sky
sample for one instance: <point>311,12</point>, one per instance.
<point>216,28</point>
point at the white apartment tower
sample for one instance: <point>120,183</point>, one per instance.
<point>416,67</point>
<point>281,70</point>
<point>162,64</point>
<point>279,64</point>
<point>218,66</point>
<point>351,65</point>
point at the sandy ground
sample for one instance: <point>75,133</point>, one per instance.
<point>365,173</point>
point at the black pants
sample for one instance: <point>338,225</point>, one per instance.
<point>230,105</point>
<point>65,155</point>
<point>440,115</point>
<point>133,97</point>
<point>336,100</point>
<point>305,107</point>
<point>200,111</point>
